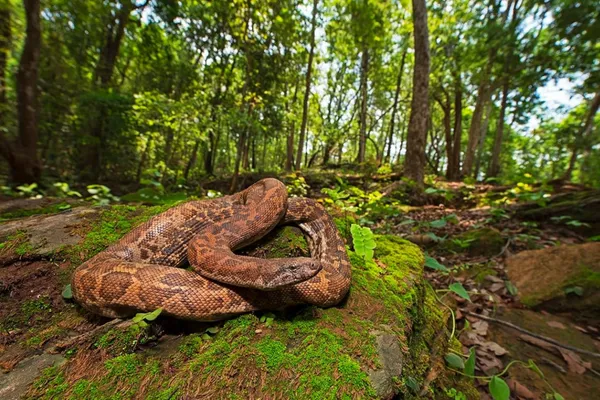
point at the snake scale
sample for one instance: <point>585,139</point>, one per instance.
<point>142,271</point>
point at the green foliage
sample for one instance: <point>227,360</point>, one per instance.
<point>363,241</point>
<point>454,361</point>
<point>498,388</point>
<point>101,195</point>
<point>458,288</point>
<point>432,263</point>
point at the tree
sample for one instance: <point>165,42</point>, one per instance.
<point>414,164</point>
<point>22,155</point>
<point>311,56</point>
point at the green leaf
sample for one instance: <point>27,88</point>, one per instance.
<point>363,240</point>
<point>431,190</point>
<point>67,292</point>
<point>434,237</point>
<point>470,364</point>
<point>578,290</point>
<point>499,389</point>
<point>594,239</point>
<point>438,223</point>
<point>213,330</point>
<point>557,396</point>
<point>433,264</point>
<point>412,384</point>
<point>153,315</point>
<point>455,361</point>
<point>512,289</point>
<point>458,288</point>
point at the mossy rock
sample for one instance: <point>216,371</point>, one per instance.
<point>560,278</point>
<point>381,342</point>
<point>476,242</point>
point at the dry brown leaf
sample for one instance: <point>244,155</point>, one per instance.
<point>494,348</point>
<point>539,343</point>
<point>494,279</point>
<point>480,327</point>
<point>488,363</point>
<point>496,287</point>
<point>574,362</point>
<point>520,390</point>
<point>470,338</point>
<point>556,324</point>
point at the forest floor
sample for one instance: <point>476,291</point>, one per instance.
<point>469,233</point>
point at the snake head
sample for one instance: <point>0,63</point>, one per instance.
<point>265,190</point>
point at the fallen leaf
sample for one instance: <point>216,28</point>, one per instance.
<point>556,324</point>
<point>494,279</point>
<point>574,362</point>
<point>488,364</point>
<point>494,348</point>
<point>580,329</point>
<point>458,315</point>
<point>480,327</point>
<point>520,390</point>
<point>470,338</point>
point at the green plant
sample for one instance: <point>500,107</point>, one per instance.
<point>455,394</point>
<point>364,241</point>
<point>296,185</point>
<point>101,195</point>
<point>63,190</point>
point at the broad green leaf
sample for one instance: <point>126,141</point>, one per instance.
<point>363,240</point>
<point>578,290</point>
<point>438,223</point>
<point>499,389</point>
<point>67,292</point>
<point>557,396</point>
<point>153,315</point>
<point>433,264</point>
<point>458,288</point>
<point>412,384</point>
<point>470,364</point>
<point>455,361</point>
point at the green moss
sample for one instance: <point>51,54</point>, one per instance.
<point>18,243</point>
<point>51,209</point>
<point>343,225</point>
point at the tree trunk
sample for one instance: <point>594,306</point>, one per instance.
<point>140,169</point>
<point>192,161</point>
<point>495,162</point>
<point>484,92</point>
<point>5,39</point>
<point>457,134</point>
<point>447,123</point>
<point>414,164</point>
<point>395,105</point>
<point>305,103</point>
<point>585,131</point>
<point>364,83</point>
<point>22,157</point>
<point>482,136</point>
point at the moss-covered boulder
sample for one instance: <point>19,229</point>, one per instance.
<point>562,277</point>
<point>476,242</point>
<point>384,340</point>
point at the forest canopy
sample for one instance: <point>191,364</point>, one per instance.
<point>123,92</point>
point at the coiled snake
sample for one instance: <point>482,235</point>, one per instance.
<point>141,273</point>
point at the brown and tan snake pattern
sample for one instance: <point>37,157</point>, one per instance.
<point>141,273</point>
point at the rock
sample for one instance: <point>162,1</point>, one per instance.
<point>476,242</point>
<point>390,357</point>
<point>42,235</point>
<point>543,276</point>
<point>14,384</point>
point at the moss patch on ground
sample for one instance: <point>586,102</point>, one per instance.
<point>477,242</point>
<point>307,353</point>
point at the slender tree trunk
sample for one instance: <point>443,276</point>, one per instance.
<point>5,40</point>
<point>447,123</point>
<point>364,83</point>
<point>22,157</point>
<point>192,161</point>
<point>140,169</point>
<point>495,162</point>
<point>457,134</point>
<point>395,106</point>
<point>484,92</point>
<point>482,136</point>
<point>580,141</point>
<point>305,102</point>
<point>289,160</point>
<point>414,164</point>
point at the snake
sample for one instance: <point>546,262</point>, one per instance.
<point>183,260</point>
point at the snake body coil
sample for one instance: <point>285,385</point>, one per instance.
<point>141,273</point>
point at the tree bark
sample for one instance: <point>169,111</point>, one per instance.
<point>447,123</point>
<point>192,160</point>
<point>305,103</point>
<point>22,157</point>
<point>495,162</point>
<point>482,136</point>
<point>289,159</point>
<point>5,39</point>
<point>585,131</point>
<point>414,164</point>
<point>364,88</point>
<point>454,173</point>
<point>395,106</point>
